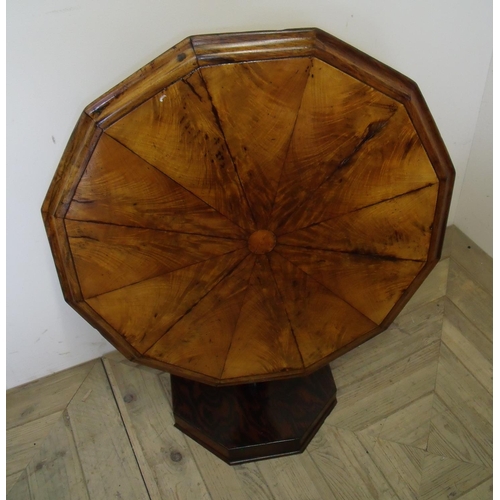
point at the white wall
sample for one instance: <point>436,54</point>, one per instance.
<point>64,53</point>
<point>475,207</point>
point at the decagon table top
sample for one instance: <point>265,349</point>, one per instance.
<point>249,206</point>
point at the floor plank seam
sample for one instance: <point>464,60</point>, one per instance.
<point>401,408</point>
<point>65,416</point>
<point>311,456</point>
<point>19,479</point>
<point>405,313</point>
<point>450,304</point>
<point>446,281</point>
<point>436,373</point>
<point>375,464</point>
<point>189,444</point>
<point>14,484</point>
<point>28,385</point>
<point>35,420</point>
<point>463,460</point>
<point>341,389</point>
<point>468,275</point>
<point>193,456</point>
<point>62,414</point>
<point>125,428</point>
<point>464,425</point>
<point>162,377</point>
<point>83,381</point>
<point>457,359</point>
<point>479,329</point>
<point>475,486</point>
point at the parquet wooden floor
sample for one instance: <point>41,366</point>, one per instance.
<point>413,419</point>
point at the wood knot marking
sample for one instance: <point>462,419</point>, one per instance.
<point>128,398</point>
<point>176,456</point>
<point>30,409</point>
<point>261,241</point>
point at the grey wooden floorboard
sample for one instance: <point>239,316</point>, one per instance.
<point>474,260</point>
<point>473,300</point>
<point>163,454</point>
<point>107,459</point>
<point>44,396</point>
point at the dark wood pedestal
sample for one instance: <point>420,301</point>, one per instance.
<point>250,422</point>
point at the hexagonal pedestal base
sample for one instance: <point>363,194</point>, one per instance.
<point>250,422</point>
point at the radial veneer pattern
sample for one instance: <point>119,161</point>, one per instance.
<point>249,206</point>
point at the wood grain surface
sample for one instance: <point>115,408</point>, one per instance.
<point>248,206</point>
<point>155,305</point>
<point>387,161</point>
<point>257,105</point>
<point>262,329</point>
<point>336,113</point>
<point>320,320</point>
<point>370,283</point>
<point>141,196</point>
<point>248,422</point>
<point>108,257</point>
<point>143,84</point>
<point>200,340</point>
<point>177,132</point>
<point>390,229</point>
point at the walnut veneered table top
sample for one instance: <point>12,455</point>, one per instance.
<point>249,206</point>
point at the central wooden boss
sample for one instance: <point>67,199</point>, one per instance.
<point>241,211</point>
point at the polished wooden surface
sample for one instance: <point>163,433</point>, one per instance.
<point>418,398</point>
<point>249,206</point>
<point>248,422</point>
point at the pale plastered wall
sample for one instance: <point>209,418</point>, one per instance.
<point>63,54</point>
<point>474,215</point>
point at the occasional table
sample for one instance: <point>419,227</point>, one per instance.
<point>243,210</point>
